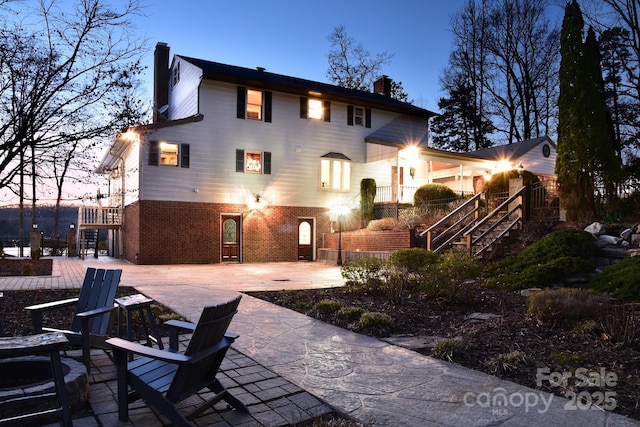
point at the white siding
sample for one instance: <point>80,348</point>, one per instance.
<point>183,96</point>
<point>296,146</point>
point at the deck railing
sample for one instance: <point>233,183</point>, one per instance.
<point>98,216</point>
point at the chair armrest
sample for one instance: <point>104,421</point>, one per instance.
<point>96,311</point>
<point>134,347</point>
<point>175,326</point>
<point>37,310</point>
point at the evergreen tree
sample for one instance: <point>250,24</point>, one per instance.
<point>585,151</point>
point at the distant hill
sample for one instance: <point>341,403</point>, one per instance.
<point>10,221</point>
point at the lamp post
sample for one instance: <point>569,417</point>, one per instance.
<point>338,212</point>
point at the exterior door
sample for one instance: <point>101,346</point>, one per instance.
<point>305,239</point>
<point>230,235</point>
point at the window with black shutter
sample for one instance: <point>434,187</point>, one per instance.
<point>154,151</point>
<point>242,101</point>
<point>253,162</point>
<point>184,155</point>
<point>367,120</point>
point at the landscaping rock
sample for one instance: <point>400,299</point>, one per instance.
<point>596,229</point>
<point>413,342</point>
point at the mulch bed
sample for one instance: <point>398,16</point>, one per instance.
<point>25,267</point>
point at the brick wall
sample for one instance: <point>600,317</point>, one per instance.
<point>366,240</point>
<point>165,232</point>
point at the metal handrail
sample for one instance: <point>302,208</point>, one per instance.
<point>454,212</point>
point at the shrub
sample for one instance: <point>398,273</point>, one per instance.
<point>433,192</point>
<point>566,305</point>
<point>514,361</point>
<point>619,280</point>
<point>350,314</point>
<point>363,274</point>
<point>382,224</point>
<point>373,319</point>
<point>28,270</point>
<point>447,279</point>
<point>499,182</point>
<point>451,349</point>
<point>562,251</point>
<point>327,306</point>
<point>410,266</point>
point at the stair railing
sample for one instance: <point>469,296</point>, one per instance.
<point>501,219</point>
<point>434,240</point>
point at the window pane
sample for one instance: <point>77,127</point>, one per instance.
<point>336,175</point>
<point>304,234</point>
<point>168,154</point>
<point>325,173</point>
<point>254,104</point>
<point>315,109</point>
<point>253,162</point>
<point>229,231</point>
<point>346,176</point>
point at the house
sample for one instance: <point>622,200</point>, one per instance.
<point>245,165</point>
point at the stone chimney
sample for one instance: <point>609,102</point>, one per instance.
<point>160,80</point>
<point>382,86</point>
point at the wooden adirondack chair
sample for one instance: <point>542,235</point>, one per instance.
<point>164,378</point>
<point>91,320</point>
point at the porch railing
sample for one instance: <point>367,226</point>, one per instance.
<point>395,194</point>
<point>89,217</point>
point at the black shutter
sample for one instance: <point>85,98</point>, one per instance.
<point>266,163</point>
<point>304,107</point>
<point>242,101</point>
<point>184,155</point>
<point>350,115</point>
<point>367,119</point>
<point>154,157</point>
<point>267,106</point>
<point>239,160</point>
<point>327,111</point>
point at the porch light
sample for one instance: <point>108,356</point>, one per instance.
<point>520,169</point>
<point>72,226</point>
<point>255,204</point>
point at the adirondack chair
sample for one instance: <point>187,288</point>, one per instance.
<point>91,320</point>
<point>163,378</point>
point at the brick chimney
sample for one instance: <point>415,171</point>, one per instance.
<point>382,86</point>
<point>160,80</point>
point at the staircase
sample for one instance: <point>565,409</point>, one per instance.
<point>465,228</point>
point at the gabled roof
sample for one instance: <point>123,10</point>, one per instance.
<point>401,132</point>
<point>511,151</point>
<point>261,79</point>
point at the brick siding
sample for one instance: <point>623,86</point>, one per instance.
<point>366,240</point>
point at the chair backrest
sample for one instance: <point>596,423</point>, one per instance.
<point>207,347</point>
<point>98,291</point>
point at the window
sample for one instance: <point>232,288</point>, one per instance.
<point>335,172</point>
<point>254,104</point>
<point>315,109</point>
<point>254,162</point>
<point>176,74</point>
<point>358,116</point>
<point>163,153</point>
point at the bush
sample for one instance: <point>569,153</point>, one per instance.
<point>363,274</point>
<point>554,258</point>
<point>411,266</point>
<point>566,306</point>
<point>350,314</point>
<point>433,192</point>
<point>514,361</point>
<point>620,280</point>
<point>447,279</point>
<point>327,306</point>
<point>499,182</point>
<point>375,320</point>
<point>382,224</point>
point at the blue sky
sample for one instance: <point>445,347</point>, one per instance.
<point>290,37</point>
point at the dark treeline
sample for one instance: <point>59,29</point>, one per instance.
<point>10,217</point>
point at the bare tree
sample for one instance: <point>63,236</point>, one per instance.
<point>350,64</point>
<point>61,65</point>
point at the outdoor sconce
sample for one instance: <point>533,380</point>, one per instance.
<point>412,172</point>
<point>34,226</point>
<point>256,205</point>
<point>72,226</point>
<point>520,169</point>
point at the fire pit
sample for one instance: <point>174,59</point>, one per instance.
<point>23,378</point>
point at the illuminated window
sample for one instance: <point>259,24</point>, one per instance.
<point>315,109</point>
<point>249,161</point>
<point>168,154</point>
<point>162,153</point>
<point>335,172</point>
<point>254,104</point>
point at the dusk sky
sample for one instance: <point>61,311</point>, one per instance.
<point>290,37</point>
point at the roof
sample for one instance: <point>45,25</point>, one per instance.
<point>511,151</point>
<point>401,131</point>
<point>261,79</point>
